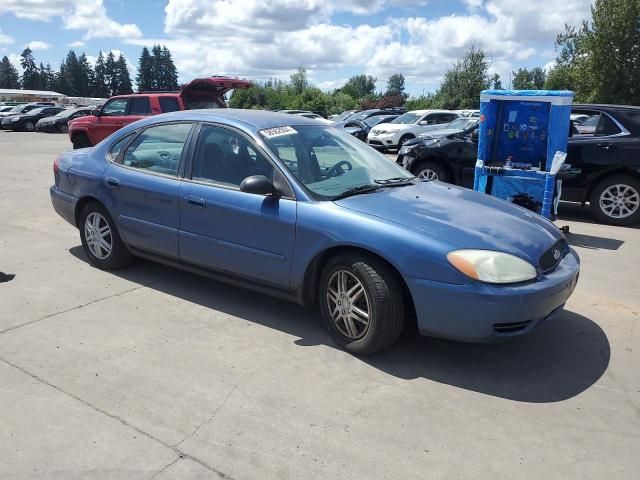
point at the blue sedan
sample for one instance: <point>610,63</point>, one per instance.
<point>283,205</point>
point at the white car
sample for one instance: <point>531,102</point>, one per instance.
<point>469,113</point>
<point>407,126</point>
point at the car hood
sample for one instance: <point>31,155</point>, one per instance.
<point>440,133</point>
<point>465,218</point>
<point>394,127</point>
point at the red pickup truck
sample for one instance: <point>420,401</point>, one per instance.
<point>122,110</point>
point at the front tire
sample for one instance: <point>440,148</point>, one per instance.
<point>100,239</point>
<point>29,127</point>
<point>616,200</point>
<point>432,171</point>
<point>404,139</point>
<point>361,303</point>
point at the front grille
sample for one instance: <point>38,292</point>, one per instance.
<point>510,327</point>
<point>375,142</point>
<point>552,257</point>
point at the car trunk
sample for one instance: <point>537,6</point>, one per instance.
<point>209,92</point>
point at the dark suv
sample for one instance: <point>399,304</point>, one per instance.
<point>122,110</point>
<point>605,162</point>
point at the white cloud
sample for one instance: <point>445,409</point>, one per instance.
<point>36,45</point>
<point>5,39</point>
<point>87,15</point>
<point>77,44</point>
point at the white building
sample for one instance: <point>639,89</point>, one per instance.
<point>16,95</point>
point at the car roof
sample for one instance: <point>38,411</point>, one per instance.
<point>603,106</point>
<point>254,119</point>
<point>434,110</point>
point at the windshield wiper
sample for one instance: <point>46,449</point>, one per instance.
<point>357,191</point>
<point>399,181</point>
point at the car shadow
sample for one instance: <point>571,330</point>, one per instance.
<point>555,362</point>
<point>593,242</point>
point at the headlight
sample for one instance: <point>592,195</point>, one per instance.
<point>405,150</point>
<point>492,267</point>
<point>378,132</point>
<point>15,119</point>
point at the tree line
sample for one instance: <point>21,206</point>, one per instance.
<point>599,60</point>
<point>76,77</point>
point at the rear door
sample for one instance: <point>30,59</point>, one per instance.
<point>143,186</point>
<point>224,229</point>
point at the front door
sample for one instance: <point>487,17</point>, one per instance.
<point>224,229</point>
<point>112,117</point>
<point>144,187</point>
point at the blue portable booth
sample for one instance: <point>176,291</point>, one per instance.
<point>521,131</point>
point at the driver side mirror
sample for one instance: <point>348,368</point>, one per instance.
<point>259,185</point>
<point>424,123</point>
<point>95,112</point>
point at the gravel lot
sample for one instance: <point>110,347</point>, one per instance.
<point>155,373</point>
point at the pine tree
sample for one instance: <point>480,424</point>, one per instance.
<point>30,75</point>
<point>156,67</point>
<point>124,79</point>
<point>144,78</point>
<point>169,73</point>
<point>85,76</point>
<point>100,84</point>
<point>111,74</point>
<point>9,77</point>
<point>48,78</point>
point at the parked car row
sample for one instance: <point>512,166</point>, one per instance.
<point>604,160</point>
<point>41,117</point>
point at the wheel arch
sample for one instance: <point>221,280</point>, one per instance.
<point>314,271</point>
<point>601,176</point>
<point>81,203</point>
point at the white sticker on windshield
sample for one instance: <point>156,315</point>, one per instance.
<point>277,131</point>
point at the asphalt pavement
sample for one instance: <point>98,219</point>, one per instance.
<point>151,372</point>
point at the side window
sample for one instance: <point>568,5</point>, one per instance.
<point>606,126</point>
<point>225,157</point>
<point>117,147</point>
<point>169,104</point>
<point>139,106</point>
<point>115,108</point>
<point>158,149</point>
<point>449,117</point>
<point>428,120</point>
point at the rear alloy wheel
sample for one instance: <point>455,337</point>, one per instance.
<point>616,200</point>
<point>361,303</point>
<point>29,126</point>
<point>100,239</point>
<point>64,128</point>
<point>432,171</point>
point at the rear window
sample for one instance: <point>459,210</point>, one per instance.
<point>169,104</point>
<point>139,106</point>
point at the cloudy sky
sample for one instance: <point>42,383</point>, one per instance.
<point>333,39</point>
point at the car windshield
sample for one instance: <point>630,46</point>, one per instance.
<point>35,111</point>
<point>373,121</point>
<point>328,161</point>
<point>18,109</point>
<point>67,113</point>
<point>409,117</point>
<point>342,117</point>
<point>460,124</point>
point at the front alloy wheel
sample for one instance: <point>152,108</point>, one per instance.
<point>100,239</point>
<point>348,303</point>
<point>427,174</point>
<point>616,200</point>
<point>29,127</point>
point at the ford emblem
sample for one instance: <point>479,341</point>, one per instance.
<point>556,254</point>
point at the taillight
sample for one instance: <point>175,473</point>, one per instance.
<point>56,167</point>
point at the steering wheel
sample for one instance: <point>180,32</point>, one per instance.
<point>338,170</point>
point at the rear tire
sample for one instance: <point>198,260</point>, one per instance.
<point>361,303</point>
<point>80,140</point>
<point>64,129</point>
<point>100,239</point>
<point>29,127</point>
<point>616,200</point>
<point>429,170</point>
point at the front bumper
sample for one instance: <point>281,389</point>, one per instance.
<point>64,204</point>
<point>383,140</point>
<point>478,312</point>
<point>46,127</point>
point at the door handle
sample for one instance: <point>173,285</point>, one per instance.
<point>113,182</point>
<point>195,201</point>
<point>604,146</point>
